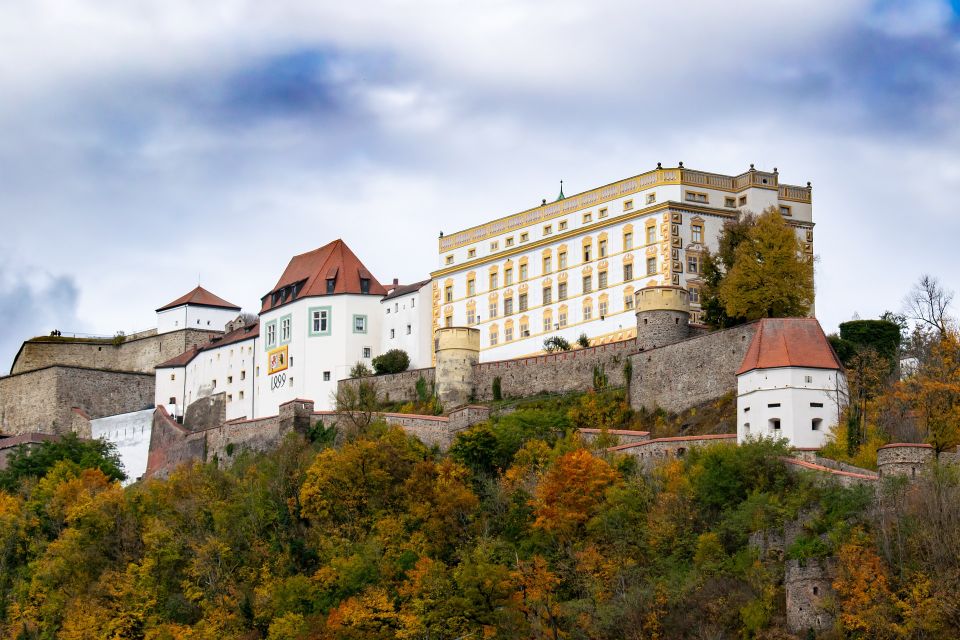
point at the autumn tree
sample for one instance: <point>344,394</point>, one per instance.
<point>571,491</point>
<point>934,393</point>
<point>770,277</point>
<point>714,266</point>
<point>928,303</point>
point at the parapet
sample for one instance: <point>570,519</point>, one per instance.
<point>904,459</point>
<point>663,298</point>
<point>464,338</point>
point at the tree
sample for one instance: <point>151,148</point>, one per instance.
<point>393,361</point>
<point>556,343</point>
<point>714,266</point>
<point>571,492</point>
<point>770,277</point>
<point>934,393</point>
<point>928,303</point>
<point>583,341</point>
<point>358,405</point>
<point>87,454</point>
<point>360,370</point>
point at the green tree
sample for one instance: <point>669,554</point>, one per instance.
<point>87,454</point>
<point>715,266</point>
<point>770,277</point>
<point>393,361</point>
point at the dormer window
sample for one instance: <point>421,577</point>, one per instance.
<point>364,285</point>
<point>331,285</point>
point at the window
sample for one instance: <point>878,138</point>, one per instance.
<point>472,253</point>
<point>746,409</point>
<point>507,277</point>
<point>214,382</point>
<point>562,318</point>
<point>172,400</point>
<point>271,335</point>
<point>509,242</point>
<point>815,424</point>
<point>173,376</point>
<point>696,232</point>
<point>241,395</point>
<point>562,225</point>
<point>367,351</point>
<point>603,308</point>
<point>547,264</point>
<point>696,196</point>
<point>409,329</point>
<point>320,321</point>
<point>471,287</point>
<point>587,311</point>
<point>326,376</point>
<point>562,259</point>
<point>493,309</point>
<point>547,323</point>
<point>507,334</point>
<point>627,241</point>
<point>494,246</point>
<point>547,229</point>
<point>523,271</point>
<point>450,259</point>
<point>562,291</point>
<point>693,264</point>
<point>547,295</point>
<point>773,405</point>
<point>602,248</point>
<point>586,253</point>
<point>651,198</point>
<point>652,266</point>
<point>523,302</point>
<point>628,300</point>
<point>695,295</point>
<point>229,397</point>
<point>651,234</point>
<point>524,237</point>
<point>229,379</point>
<point>493,337</point>
<point>628,205</point>
<point>508,306</point>
<point>243,374</point>
<point>743,201</point>
<point>359,324</point>
<point>448,293</point>
<point>413,303</point>
<point>332,283</point>
<point>471,316</point>
<point>364,285</point>
<point>524,330</point>
<point>494,281</point>
<point>587,218</point>
<point>393,333</point>
<point>775,424</point>
<point>602,280</point>
<point>448,321</point>
<point>730,202</point>
<point>587,284</point>
<point>808,379</point>
<point>785,210</point>
<point>817,405</point>
<point>628,272</point>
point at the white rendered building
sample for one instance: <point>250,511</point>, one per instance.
<point>407,312</point>
<point>322,317</point>
<point>130,432</point>
<point>198,309</point>
<point>572,266</point>
<point>227,364</point>
<point>790,385</point>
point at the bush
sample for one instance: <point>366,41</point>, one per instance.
<point>583,340</point>
<point>360,370</point>
<point>497,390</point>
<point>556,343</point>
<point>393,361</point>
<point>87,454</point>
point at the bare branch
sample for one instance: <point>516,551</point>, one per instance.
<point>928,303</point>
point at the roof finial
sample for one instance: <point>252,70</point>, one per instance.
<point>751,166</point>
<point>561,196</point>
<point>659,166</point>
<point>681,164</point>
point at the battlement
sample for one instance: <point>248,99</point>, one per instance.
<point>664,298</point>
<point>466,338</point>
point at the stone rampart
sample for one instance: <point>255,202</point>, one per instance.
<point>688,373</point>
<point>43,400</point>
<point>844,478</point>
<point>650,453</point>
<point>395,387</point>
<point>904,459</point>
<point>171,445</point>
<point>622,436</point>
<point>560,372</point>
<point>809,592</point>
<point>141,353</point>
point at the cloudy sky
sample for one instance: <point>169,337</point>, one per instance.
<point>144,144</point>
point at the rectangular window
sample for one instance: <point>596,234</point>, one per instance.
<point>562,319</point>
<point>326,376</point>
<point>229,379</point>
<point>450,259</point>
<point>628,205</point>
<point>693,264</point>
<point>471,316</point>
<point>587,312</point>
<point>508,306</point>
<point>523,272</point>
<point>743,201</point>
<point>785,210</point>
<point>602,280</point>
<point>494,281</point>
<point>651,234</point>
<point>509,242</point>
<point>472,253</point>
<point>173,400</point>
<point>587,218</point>
<point>547,229</point>
<point>507,334</point>
<point>523,302</point>
<point>652,266</point>
<point>696,233</point>
<point>562,291</point>
<point>229,397</point>
<point>393,333</point>
<point>367,351</point>
<point>651,198</point>
<point>562,225</point>
<point>448,293</point>
<point>471,287</point>
<point>602,248</point>
<point>493,310</point>
<point>627,241</point>
<point>816,423</point>
<point>409,329</point>
<point>494,246</point>
<point>587,284</point>
<point>359,324</point>
<point>547,264</point>
<point>243,374</point>
<point>271,332</point>
<point>694,295</point>
<point>493,338</point>
<point>603,308</point>
<point>816,405</point>
<point>547,324</point>
<point>562,259</point>
<point>696,196</point>
<point>602,213</point>
<point>547,295</point>
<point>448,321</point>
<point>586,253</point>
<point>628,301</point>
<point>241,395</point>
<point>524,237</point>
<point>320,321</point>
<point>773,405</point>
<point>507,277</point>
<point>214,382</point>
<point>730,202</point>
<point>628,272</point>
<point>173,376</point>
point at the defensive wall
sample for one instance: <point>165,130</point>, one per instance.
<point>139,353</point>
<point>45,400</point>
<point>29,440</point>
<point>396,387</point>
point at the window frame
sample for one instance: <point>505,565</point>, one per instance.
<point>363,317</point>
<point>329,311</point>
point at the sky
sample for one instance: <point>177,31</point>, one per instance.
<point>146,145</point>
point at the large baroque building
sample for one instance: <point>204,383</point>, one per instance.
<point>572,266</point>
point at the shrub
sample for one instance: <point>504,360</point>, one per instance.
<point>360,370</point>
<point>422,393</point>
<point>497,391</point>
<point>583,340</point>
<point>393,361</point>
<point>556,343</point>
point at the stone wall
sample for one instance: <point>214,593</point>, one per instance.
<point>140,354</point>
<point>554,373</point>
<point>829,474</point>
<point>43,400</point>
<point>809,591</point>
<point>8,446</point>
<point>688,373</point>
<point>904,459</point>
<point>650,453</point>
<point>171,445</point>
<point>622,436</point>
<point>206,413</point>
<point>395,387</point>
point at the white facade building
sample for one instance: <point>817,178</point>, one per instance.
<point>407,311</point>
<point>790,385</point>
<point>130,432</point>
<point>322,317</point>
<point>572,266</point>
<point>198,309</point>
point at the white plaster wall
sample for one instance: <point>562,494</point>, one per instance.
<point>233,367</point>
<point>413,310</point>
<point>130,432</point>
<point>789,387</point>
<point>194,317</point>
<point>167,388</point>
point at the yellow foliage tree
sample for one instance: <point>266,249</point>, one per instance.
<point>571,491</point>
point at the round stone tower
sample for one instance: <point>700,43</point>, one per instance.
<point>457,351</point>
<point>663,316</point>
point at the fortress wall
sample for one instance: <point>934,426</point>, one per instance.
<point>685,374</point>
<point>43,400</point>
<point>809,592</point>
<point>554,373</point>
<point>651,453</point>
<point>395,387</point>
<point>139,354</point>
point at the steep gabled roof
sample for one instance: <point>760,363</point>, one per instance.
<point>307,274</point>
<point>404,289</point>
<point>789,342</point>
<point>248,332</point>
<point>200,297</point>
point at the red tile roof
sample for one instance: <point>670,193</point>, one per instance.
<point>237,335</point>
<point>789,342</point>
<point>395,291</point>
<point>307,275</point>
<point>200,297</point>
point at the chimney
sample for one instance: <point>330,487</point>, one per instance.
<point>396,281</point>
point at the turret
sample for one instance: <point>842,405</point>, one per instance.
<point>663,316</point>
<point>457,351</point>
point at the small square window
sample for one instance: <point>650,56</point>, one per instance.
<point>472,253</point>
<point>651,198</point>
<point>524,237</point>
<point>808,379</point>
<point>548,229</point>
<point>494,246</point>
<point>172,401</point>
<point>367,351</point>
<point>743,201</point>
<point>229,379</point>
<point>326,376</point>
<point>785,210</point>
<point>587,218</point>
<point>602,213</point>
<point>562,225</point>
<point>509,242</point>
<point>730,202</point>
<point>628,205</point>
<point>450,259</point>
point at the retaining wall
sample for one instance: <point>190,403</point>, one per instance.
<point>395,387</point>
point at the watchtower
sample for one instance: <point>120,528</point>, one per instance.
<point>663,316</point>
<point>457,351</point>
